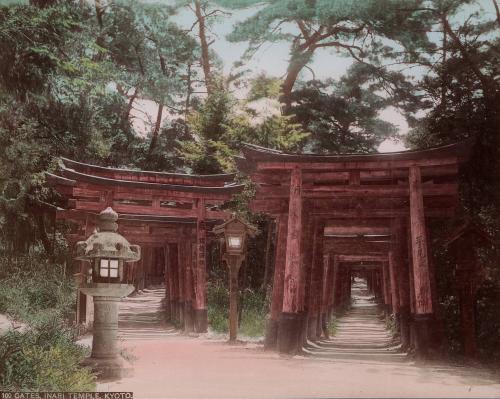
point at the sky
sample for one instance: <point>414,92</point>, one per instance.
<point>272,59</point>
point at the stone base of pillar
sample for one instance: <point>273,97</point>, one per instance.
<point>404,329</point>
<point>387,310</point>
<point>108,368</point>
<point>168,309</point>
<point>271,338</point>
<point>188,317</point>
<point>200,320</point>
<point>324,325</point>
<point>174,312</point>
<point>422,331</point>
<point>304,322</point>
<point>312,327</point>
<point>289,333</point>
<point>180,318</point>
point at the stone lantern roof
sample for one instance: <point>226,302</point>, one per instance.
<point>106,242</point>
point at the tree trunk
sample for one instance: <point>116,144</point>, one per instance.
<point>47,245</point>
<point>187,103</point>
<point>497,10</point>
<point>98,12</point>
<point>130,104</point>
<point>205,53</point>
<point>156,130</point>
<point>297,63</point>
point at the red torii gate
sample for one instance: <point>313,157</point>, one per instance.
<point>168,214</point>
<point>320,201</point>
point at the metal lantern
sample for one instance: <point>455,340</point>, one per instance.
<point>235,232</point>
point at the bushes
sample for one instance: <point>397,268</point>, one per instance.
<point>33,290</point>
<point>252,304</point>
<point>218,306</point>
<point>43,359</point>
<point>44,356</point>
<point>254,309</point>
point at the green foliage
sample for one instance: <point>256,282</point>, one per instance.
<point>218,306</point>
<point>43,356</point>
<point>35,290</point>
<point>343,115</point>
<point>253,310</point>
<point>280,132</point>
<point>332,326</point>
<point>461,99</point>
<point>263,86</point>
<point>43,359</point>
<point>368,30</point>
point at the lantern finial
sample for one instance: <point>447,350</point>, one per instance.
<point>107,220</point>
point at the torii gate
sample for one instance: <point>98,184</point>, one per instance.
<point>316,199</point>
<point>168,214</point>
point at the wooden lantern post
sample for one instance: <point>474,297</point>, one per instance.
<point>235,232</point>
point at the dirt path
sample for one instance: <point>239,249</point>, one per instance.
<point>172,366</point>
<point>361,334</point>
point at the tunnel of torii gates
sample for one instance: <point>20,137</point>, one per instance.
<point>336,216</point>
<point>169,215</point>
<point>343,215</point>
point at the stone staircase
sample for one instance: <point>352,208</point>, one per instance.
<point>361,334</point>
<point>141,317</point>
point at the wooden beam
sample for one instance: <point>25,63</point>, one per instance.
<point>362,258</point>
<point>355,247</point>
<point>357,230</point>
<point>377,191</point>
<point>271,177</point>
<point>360,165</point>
<point>147,210</point>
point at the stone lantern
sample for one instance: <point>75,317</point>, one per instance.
<point>107,251</point>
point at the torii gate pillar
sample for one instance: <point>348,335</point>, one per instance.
<point>424,311</point>
<point>290,319</point>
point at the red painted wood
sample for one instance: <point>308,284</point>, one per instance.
<point>386,283</point>
<point>357,191</point>
<point>306,260</point>
<point>355,246</point>
<point>181,262</point>
<point>279,268</point>
<point>188,268</point>
<point>173,269</point>
<point>393,270</point>
<point>292,265</point>
<point>327,277</point>
<point>366,165</point>
<point>336,283</point>
<point>316,296</point>
<point>343,230</point>
<point>410,272</point>
<point>200,271</point>
<point>363,258</point>
<point>399,248</point>
<point>422,283</point>
<point>275,177</point>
